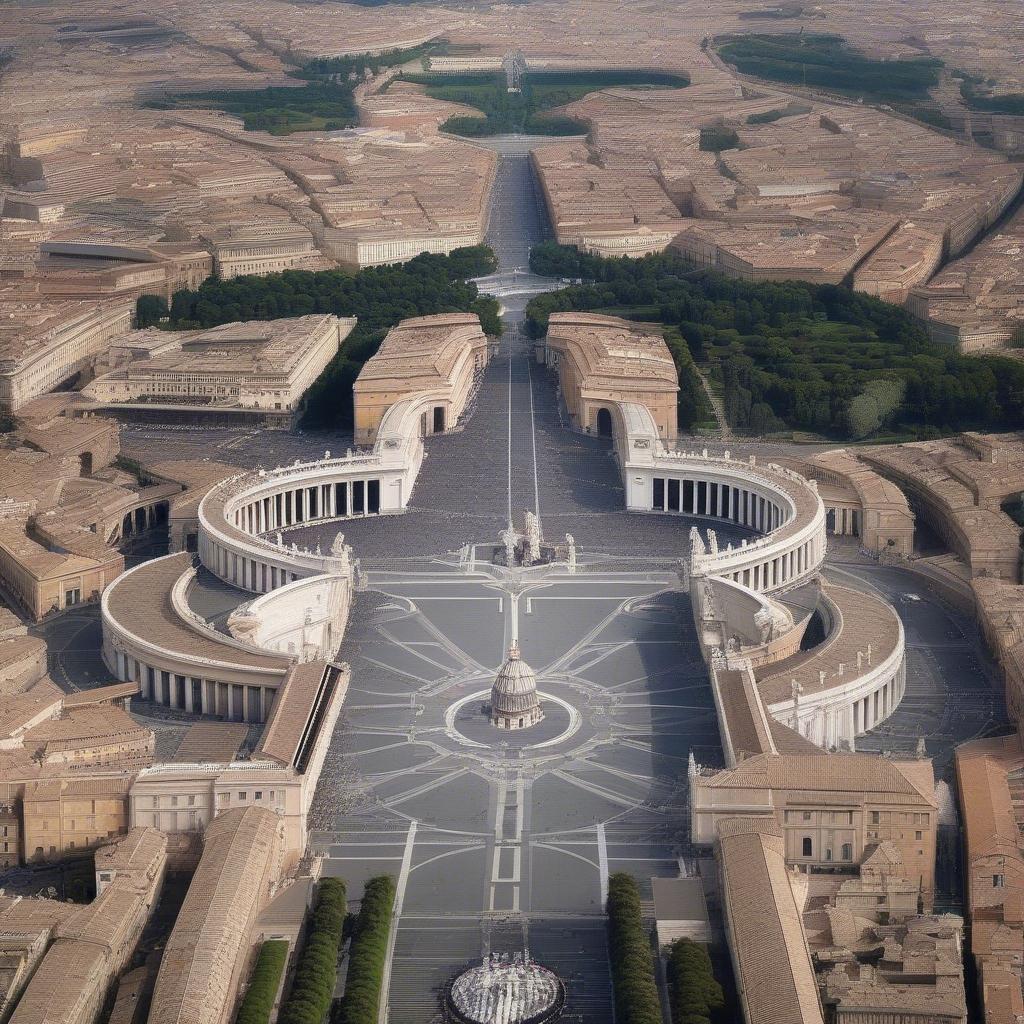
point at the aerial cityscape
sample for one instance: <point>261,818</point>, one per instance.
<point>511,512</point>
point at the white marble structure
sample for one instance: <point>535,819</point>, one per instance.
<point>514,700</point>
<point>240,520</point>
<point>152,635</point>
<point>844,687</point>
<point>778,503</point>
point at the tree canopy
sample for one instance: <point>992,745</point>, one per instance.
<point>378,296</point>
<point>632,958</point>
<point>793,355</point>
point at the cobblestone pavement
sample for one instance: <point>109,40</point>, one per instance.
<point>504,841</point>
<point>513,454</point>
<point>502,844</point>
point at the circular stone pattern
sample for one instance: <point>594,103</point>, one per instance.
<point>504,991</point>
<point>468,720</point>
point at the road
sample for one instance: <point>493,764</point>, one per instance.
<point>501,842</point>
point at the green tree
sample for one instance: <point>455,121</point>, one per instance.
<point>316,969</point>
<point>632,958</point>
<point>150,310</point>
<point>368,954</point>
<point>695,996</point>
<point>259,997</point>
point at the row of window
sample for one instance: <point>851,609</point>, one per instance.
<point>189,800</point>
<point>899,817</point>
<point>807,850</point>
<point>822,817</point>
<point>891,833</point>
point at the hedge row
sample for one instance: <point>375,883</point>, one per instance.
<point>636,991</point>
<point>317,970</point>
<point>367,953</point>
<point>696,996</point>
<point>263,985</point>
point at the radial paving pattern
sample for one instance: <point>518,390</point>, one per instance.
<point>483,828</point>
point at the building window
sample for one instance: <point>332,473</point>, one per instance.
<point>258,795</point>
<point>847,851</point>
<point>874,817</point>
<point>919,836</point>
<point>241,795</point>
<point>997,881</point>
<point>806,846</point>
<point>807,815</point>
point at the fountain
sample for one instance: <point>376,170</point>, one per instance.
<point>505,989</point>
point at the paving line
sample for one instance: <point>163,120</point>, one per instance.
<point>533,436</point>
<point>396,913</point>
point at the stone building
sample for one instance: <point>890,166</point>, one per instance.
<point>436,357</point>
<point>10,835</point>
<point>861,503</point>
<point>66,764</point>
<point>260,248</point>
<point>43,344</point>
<point>601,360</point>
<point>202,963</point>
<point>762,900</point>
<point>94,270</point>
<point>875,956</point>
<point>957,486</point>
<point>66,816</point>
<point>1000,614</point>
<point>65,508</point>
<point>829,809</point>
<point>89,946</point>
<point>260,369</point>
<point>989,774</point>
<point>208,775</point>
<point>823,251</point>
<point>975,302</point>
<point>514,700</point>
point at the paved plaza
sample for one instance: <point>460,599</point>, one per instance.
<point>501,842</point>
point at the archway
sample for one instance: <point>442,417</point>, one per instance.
<point>604,423</point>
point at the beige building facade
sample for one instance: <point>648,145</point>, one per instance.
<point>830,809</point>
<point>263,367</point>
<point>43,346</point>
<point>602,360</point>
<point>440,355</point>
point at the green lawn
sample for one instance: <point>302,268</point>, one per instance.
<point>530,111</point>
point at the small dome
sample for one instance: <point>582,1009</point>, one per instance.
<point>514,700</point>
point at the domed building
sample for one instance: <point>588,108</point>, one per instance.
<point>514,700</point>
